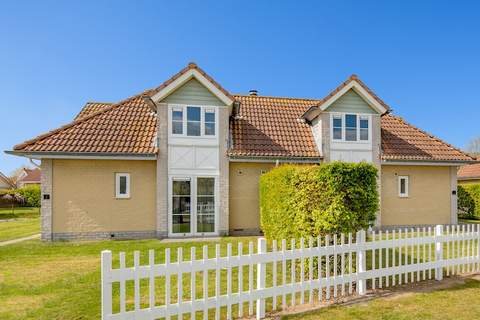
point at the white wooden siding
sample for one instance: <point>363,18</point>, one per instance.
<point>193,93</point>
<point>351,102</point>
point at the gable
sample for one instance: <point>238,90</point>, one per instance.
<point>193,92</point>
<point>351,102</point>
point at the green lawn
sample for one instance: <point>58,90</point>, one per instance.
<point>19,212</point>
<point>452,303</point>
<point>22,222</point>
<point>466,220</point>
<point>62,281</point>
<point>19,228</point>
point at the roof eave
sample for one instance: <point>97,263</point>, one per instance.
<point>83,155</point>
<point>245,158</point>
<point>426,162</point>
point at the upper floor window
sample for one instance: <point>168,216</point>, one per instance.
<point>210,122</point>
<point>193,121</point>
<point>350,127</point>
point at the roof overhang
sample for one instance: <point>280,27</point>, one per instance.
<point>358,88</point>
<point>186,76</point>
<point>273,159</point>
<point>449,163</point>
<point>83,155</point>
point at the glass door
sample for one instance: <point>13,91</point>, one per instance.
<point>205,205</point>
<point>181,206</point>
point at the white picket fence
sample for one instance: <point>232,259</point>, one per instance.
<point>246,284</point>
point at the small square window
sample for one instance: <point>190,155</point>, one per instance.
<point>122,185</point>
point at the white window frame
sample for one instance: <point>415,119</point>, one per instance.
<point>338,116</point>
<point>183,108</point>
<point>193,204</point>
<point>407,186</point>
<point>184,127</point>
<point>209,110</point>
<point>363,116</point>
<point>119,195</point>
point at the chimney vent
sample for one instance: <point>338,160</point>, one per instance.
<point>253,92</point>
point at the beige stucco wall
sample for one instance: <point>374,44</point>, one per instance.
<point>244,197</point>
<point>429,200</point>
<point>84,196</point>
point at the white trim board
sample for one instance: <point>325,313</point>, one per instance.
<point>360,91</point>
<point>192,73</point>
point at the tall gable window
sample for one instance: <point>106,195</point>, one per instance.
<point>177,121</point>
<point>122,185</point>
<point>364,128</point>
<point>193,121</point>
<point>403,186</point>
<point>209,122</point>
<point>337,127</point>
<point>351,127</point>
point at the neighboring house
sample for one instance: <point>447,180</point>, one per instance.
<point>29,177</point>
<point>469,174</point>
<point>6,182</point>
<point>184,159</point>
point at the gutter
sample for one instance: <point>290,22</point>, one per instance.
<point>82,155</point>
<point>427,162</point>
<point>276,160</point>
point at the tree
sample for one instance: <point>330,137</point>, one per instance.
<point>16,173</point>
<point>474,146</point>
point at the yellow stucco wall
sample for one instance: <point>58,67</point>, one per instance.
<point>429,200</point>
<point>244,197</point>
<point>84,196</point>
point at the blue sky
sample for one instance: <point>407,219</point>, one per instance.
<point>421,57</point>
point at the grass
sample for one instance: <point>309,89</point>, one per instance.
<point>20,228</point>
<point>467,220</point>
<point>22,222</point>
<point>19,212</point>
<point>62,281</point>
<point>452,303</point>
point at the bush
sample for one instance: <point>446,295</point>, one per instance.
<point>308,201</point>
<point>468,197</point>
<point>31,195</point>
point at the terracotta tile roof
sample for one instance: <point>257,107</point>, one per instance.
<point>269,126</point>
<point>128,127</point>
<point>190,66</point>
<point>33,175</point>
<point>92,107</point>
<point>469,172</point>
<point>354,77</point>
<point>403,141</point>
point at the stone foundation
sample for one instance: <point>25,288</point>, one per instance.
<point>114,235</point>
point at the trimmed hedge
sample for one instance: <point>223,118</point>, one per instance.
<point>31,195</point>
<point>307,201</point>
<point>468,203</point>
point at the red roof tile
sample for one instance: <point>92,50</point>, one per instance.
<point>92,107</point>
<point>469,172</point>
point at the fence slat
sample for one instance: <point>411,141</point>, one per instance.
<point>151,282</point>
<point>310,272</point>
<point>193,282</point>
<point>387,260</point>
<point>205,283</point>
<point>350,265</point>
<point>250,279</point>
<point>122,284</point>
<point>217,282</point>
<point>284,274</point>
<point>342,263</point>
<point>319,271</point>
<point>373,262</point>
<point>292,279</point>
<point>167,282</point>
<point>106,266</point>
<point>380,260</point>
<point>240,281</point>
<point>179,280</point>
<point>274,275</point>
<point>136,293</point>
<point>327,268</point>
<point>229,282</point>
<point>302,273</point>
<point>335,264</point>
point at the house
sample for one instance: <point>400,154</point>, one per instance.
<point>469,174</point>
<point>183,159</point>
<point>28,177</point>
<point>6,182</point>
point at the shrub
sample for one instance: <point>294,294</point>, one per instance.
<point>30,194</point>
<point>307,201</point>
<point>468,203</point>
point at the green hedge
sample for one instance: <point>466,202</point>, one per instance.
<point>468,200</point>
<point>31,195</point>
<point>303,201</point>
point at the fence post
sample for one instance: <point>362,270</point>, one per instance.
<point>438,252</point>
<point>261,274</point>
<point>361,263</point>
<point>106,265</point>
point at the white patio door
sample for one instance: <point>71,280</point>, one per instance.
<point>193,209</point>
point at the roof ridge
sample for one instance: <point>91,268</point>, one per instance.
<point>100,102</point>
<point>401,119</point>
<point>275,97</point>
<point>77,121</point>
